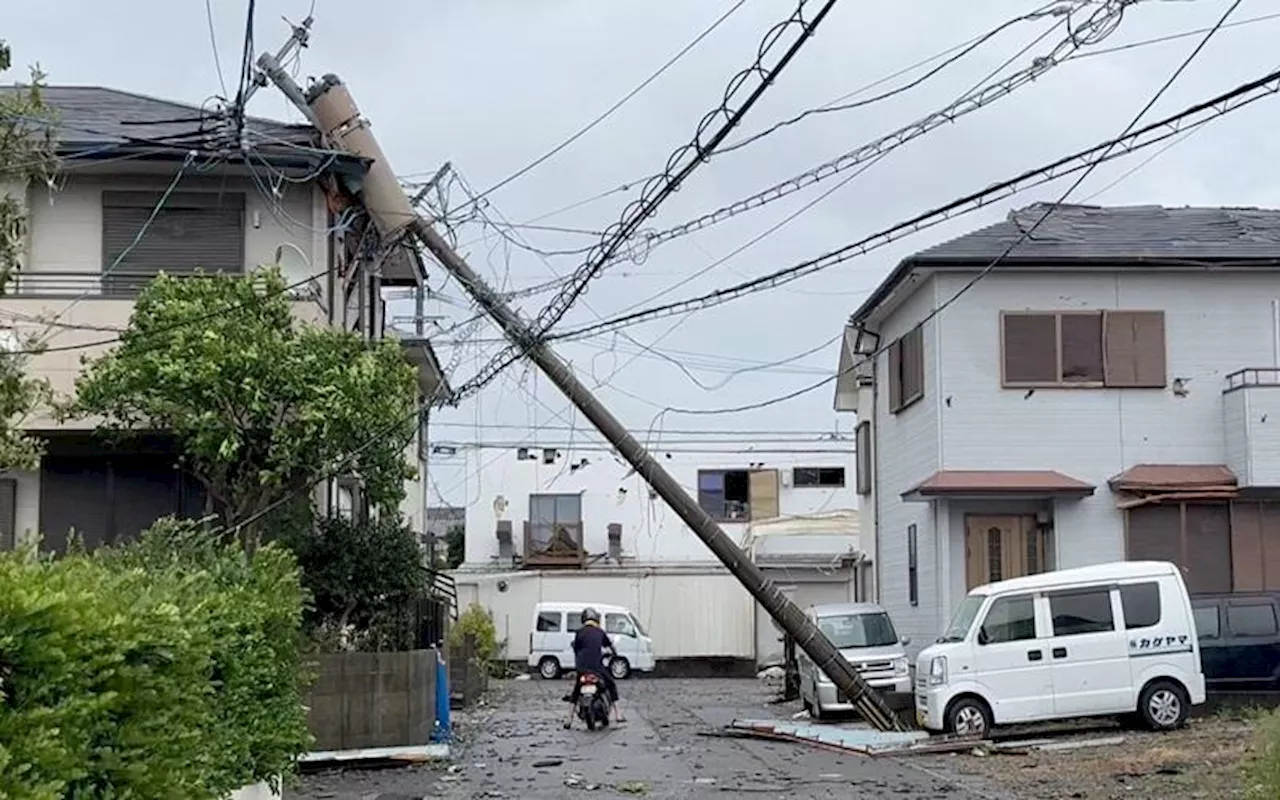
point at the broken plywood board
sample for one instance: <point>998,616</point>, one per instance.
<point>411,754</point>
<point>862,740</point>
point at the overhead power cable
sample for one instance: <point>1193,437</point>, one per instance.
<point>584,130</point>
<point>711,131</point>
<point>1144,137</point>
<point>1098,26</point>
<point>1025,234</point>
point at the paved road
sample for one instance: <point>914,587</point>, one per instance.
<point>518,749</point>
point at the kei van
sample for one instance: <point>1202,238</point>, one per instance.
<point>1113,639</point>
<point>554,626</point>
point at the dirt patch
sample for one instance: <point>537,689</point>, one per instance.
<point>1199,762</point>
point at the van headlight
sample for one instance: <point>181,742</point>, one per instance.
<point>901,666</point>
<point>938,671</point>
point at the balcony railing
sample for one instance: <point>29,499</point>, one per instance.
<point>117,284</point>
<point>1253,376</point>
<point>557,545</point>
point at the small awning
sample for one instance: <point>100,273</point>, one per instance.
<point>1177,482</point>
<point>993,483</point>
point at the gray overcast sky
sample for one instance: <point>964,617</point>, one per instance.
<point>492,84</point>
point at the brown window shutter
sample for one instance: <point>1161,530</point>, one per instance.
<point>913,365</point>
<point>8,514</point>
<point>895,375</point>
<point>1135,349</point>
<point>763,488</point>
<point>1030,342</point>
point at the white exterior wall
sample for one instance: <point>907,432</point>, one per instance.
<point>690,612</point>
<point>1215,324</point>
<point>651,532</point>
<point>907,452</point>
<point>1252,418</point>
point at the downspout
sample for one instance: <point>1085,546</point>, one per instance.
<point>1275,333</point>
<point>875,469</point>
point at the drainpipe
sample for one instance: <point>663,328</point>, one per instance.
<point>1275,333</point>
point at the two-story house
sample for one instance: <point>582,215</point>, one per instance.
<point>148,185</point>
<point>1107,391</point>
<point>577,524</point>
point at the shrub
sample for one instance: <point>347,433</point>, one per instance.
<point>1262,769</point>
<point>477,621</point>
<point>364,578</point>
<point>166,669</point>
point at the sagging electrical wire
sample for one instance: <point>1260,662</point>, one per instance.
<point>710,132</point>
<point>1025,234</point>
<point>1152,134</point>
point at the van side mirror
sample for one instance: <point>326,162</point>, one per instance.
<point>982,636</point>
<point>905,640</point>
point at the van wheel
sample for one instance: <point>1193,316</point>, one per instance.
<point>969,716</point>
<point>619,668</point>
<point>549,668</point>
<point>1163,706</point>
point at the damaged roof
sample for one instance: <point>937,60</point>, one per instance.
<point>1117,237</point>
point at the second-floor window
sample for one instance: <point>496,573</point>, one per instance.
<point>188,231</point>
<point>815,477</point>
<point>906,370</point>
<point>738,495</point>
<point>555,521</point>
<point>1120,349</point>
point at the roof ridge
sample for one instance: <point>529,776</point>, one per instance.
<point>164,101</point>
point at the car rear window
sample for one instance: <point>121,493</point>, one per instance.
<point>1207,622</point>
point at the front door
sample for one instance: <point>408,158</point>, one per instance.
<point>997,548</point>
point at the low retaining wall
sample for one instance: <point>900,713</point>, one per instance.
<point>369,700</point>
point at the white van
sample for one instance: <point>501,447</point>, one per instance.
<point>1111,639</point>
<point>554,625</point>
<point>865,637</point>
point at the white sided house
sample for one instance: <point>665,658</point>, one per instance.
<point>1108,392</point>
<point>566,525</point>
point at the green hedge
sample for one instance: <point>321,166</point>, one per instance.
<point>171,668</point>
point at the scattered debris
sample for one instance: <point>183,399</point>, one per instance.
<point>772,674</point>
<point>1022,746</point>
<point>548,762</point>
<point>576,781</point>
<point>373,757</point>
<point>633,787</point>
<point>864,740</point>
<point>524,676</point>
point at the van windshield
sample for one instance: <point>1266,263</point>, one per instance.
<point>963,619</point>
<point>859,630</point>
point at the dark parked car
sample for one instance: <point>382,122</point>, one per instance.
<point>1239,640</point>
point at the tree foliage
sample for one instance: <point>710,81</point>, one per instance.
<point>170,668</point>
<point>27,153</point>
<point>358,572</point>
<point>263,406</point>
<point>455,542</point>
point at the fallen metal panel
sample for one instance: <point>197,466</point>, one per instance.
<point>863,740</point>
<point>412,754</point>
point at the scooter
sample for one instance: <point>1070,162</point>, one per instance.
<point>593,701</point>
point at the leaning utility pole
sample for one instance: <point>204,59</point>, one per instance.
<point>331,105</point>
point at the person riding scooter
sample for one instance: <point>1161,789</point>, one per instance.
<point>589,646</point>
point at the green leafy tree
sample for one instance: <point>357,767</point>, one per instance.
<point>455,542</point>
<point>263,406</point>
<point>27,153</point>
<point>357,569</point>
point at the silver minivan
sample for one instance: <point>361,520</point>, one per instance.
<point>866,638</point>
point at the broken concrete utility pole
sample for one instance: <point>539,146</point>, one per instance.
<point>339,120</point>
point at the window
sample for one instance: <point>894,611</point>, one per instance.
<point>725,495</point>
<point>1207,622</point>
<point>858,630</point>
<point>1195,536</point>
<point>803,477</point>
<point>1120,349</point>
<point>549,622</point>
<point>1076,613</point>
<point>906,370</point>
<point>1251,620</point>
<point>1011,619</point>
<point>191,231</point>
<point>862,444</point>
<point>573,622</point>
<point>1141,604</point>
<point>913,572</point>
<point>619,625</point>
<point>555,521</point>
